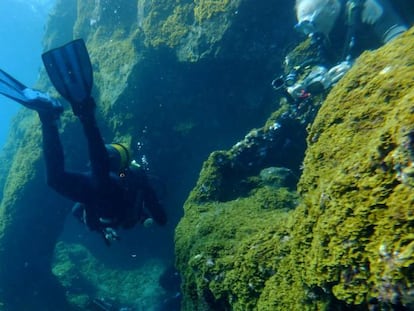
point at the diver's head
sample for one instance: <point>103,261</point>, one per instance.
<point>119,157</point>
<point>316,16</point>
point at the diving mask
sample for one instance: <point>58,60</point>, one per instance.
<point>306,27</point>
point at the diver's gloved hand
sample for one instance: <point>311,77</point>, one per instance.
<point>336,73</point>
<point>372,12</point>
<point>110,235</point>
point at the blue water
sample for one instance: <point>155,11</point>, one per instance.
<point>21,31</point>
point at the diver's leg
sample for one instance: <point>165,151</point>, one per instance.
<point>74,186</point>
<point>96,146</point>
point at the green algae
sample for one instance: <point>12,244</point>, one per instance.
<point>167,23</point>
<point>22,170</point>
<point>112,59</point>
<point>175,27</point>
<point>366,115</point>
<point>192,28</point>
<point>170,30</point>
<point>349,239</point>
<point>234,233</point>
<point>325,250</point>
<point>304,51</point>
<point>206,9</point>
<point>119,43</point>
<point>78,271</point>
<point>235,261</point>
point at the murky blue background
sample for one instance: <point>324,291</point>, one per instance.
<point>21,33</point>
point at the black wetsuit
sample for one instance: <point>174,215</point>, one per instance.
<point>118,199</point>
<point>351,36</point>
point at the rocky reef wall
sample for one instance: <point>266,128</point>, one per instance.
<point>344,240</point>
<point>175,80</point>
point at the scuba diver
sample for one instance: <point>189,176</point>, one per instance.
<point>338,30</point>
<point>115,193</point>
<point>320,16</point>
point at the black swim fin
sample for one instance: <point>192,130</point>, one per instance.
<point>70,70</point>
<point>11,88</point>
<point>28,97</point>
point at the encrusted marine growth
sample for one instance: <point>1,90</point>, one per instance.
<point>205,9</point>
<point>228,174</point>
<point>78,270</point>
<point>357,180</point>
<point>349,243</point>
<point>238,211</point>
<point>145,56</point>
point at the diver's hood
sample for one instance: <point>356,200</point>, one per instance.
<point>317,15</point>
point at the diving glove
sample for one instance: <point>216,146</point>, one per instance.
<point>110,235</point>
<point>372,12</point>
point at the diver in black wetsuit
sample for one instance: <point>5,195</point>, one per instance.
<point>113,194</point>
<point>339,31</point>
<point>116,192</point>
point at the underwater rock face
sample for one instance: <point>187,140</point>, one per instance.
<point>357,183</point>
<point>234,232</point>
<point>169,75</point>
<point>349,243</point>
<point>77,269</point>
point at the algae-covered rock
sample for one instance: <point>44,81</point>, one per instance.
<point>29,224</point>
<point>169,75</point>
<point>357,183</point>
<point>348,244</point>
<point>78,271</point>
<point>234,232</point>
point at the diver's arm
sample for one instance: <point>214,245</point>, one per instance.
<point>384,19</point>
<point>151,202</point>
<point>144,196</point>
<point>154,207</point>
